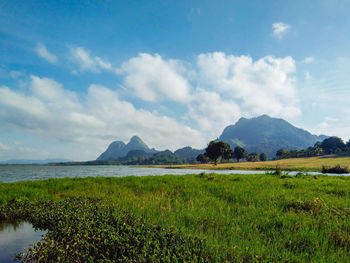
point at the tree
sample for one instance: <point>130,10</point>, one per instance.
<point>239,153</point>
<point>282,154</point>
<point>263,157</point>
<point>253,157</point>
<point>202,158</point>
<point>332,144</point>
<point>215,150</point>
<point>348,146</point>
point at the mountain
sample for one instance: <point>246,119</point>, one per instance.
<point>135,154</point>
<point>25,161</point>
<point>119,149</point>
<point>188,152</point>
<point>266,134</point>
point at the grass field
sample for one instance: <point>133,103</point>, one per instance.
<point>293,164</point>
<point>239,218</point>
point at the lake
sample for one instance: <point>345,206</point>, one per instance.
<point>15,237</point>
<point>15,173</point>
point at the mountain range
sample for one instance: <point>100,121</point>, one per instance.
<point>25,161</point>
<point>137,148</point>
<point>260,134</point>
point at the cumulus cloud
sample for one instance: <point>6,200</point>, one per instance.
<point>212,93</point>
<point>280,29</point>
<point>265,86</point>
<point>49,109</point>
<point>227,86</point>
<point>86,62</point>
<point>212,113</point>
<point>42,51</point>
<point>152,78</point>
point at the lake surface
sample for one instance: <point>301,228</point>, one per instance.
<point>15,237</point>
<point>15,173</point>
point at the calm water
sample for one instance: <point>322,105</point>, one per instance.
<point>15,237</point>
<point>15,173</point>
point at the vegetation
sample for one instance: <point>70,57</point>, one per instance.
<point>88,230</point>
<point>202,158</point>
<point>263,157</point>
<point>331,145</point>
<point>253,157</point>
<point>239,153</point>
<point>336,169</point>
<point>206,217</point>
<point>215,150</point>
<point>291,164</point>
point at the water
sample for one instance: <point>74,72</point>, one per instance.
<point>15,173</point>
<point>15,237</point>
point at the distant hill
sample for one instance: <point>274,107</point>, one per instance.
<point>25,161</point>
<point>266,134</point>
<point>119,149</point>
<point>188,152</point>
<point>137,149</point>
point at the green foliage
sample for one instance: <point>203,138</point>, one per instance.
<point>328,146</point>
<point>282,154</point>
<point>87,230</point>
<point>332,145</point>
<point>239,153</point>
<point>253,157</point>
<point>215,150</point>
<point>202,158</point>
<point>336,169</point>
<point>263,157</point>
<point>209,217</point>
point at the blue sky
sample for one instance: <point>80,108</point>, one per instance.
<point>76,76</point>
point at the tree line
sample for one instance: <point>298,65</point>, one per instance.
<point>222,151</point>
<point>331,145</point>
<point>219,150</point>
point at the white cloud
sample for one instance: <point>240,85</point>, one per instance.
<point>49,110</point>
<point>88,63</point>
<point>280,29</point>
<point>42,51</point>
<point>334,127</point>
<point>153,78</point>
<point>212,113</point>
<point>265,86</point>
<point>308,60</point>
<point>227,87</point>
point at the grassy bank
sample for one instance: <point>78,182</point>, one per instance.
<point>242,218</point>
<point>292,164</point>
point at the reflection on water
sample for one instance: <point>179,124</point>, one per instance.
<point>15,238</point>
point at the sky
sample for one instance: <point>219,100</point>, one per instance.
<point>77,75</point>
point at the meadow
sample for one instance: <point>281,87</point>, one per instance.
<point>190,218</point>
<point>291,164</point>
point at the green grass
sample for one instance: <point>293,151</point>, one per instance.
<point>241,218</point>
<point>292,164</point>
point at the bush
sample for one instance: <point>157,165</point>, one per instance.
<point>335,170</point>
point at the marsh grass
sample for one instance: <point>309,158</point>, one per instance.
<point>241,218</point>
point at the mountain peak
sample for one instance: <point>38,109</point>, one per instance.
<point>267,134</point>
<point>136,143</point>
<point>135,138</point>
<point>119,149</point>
